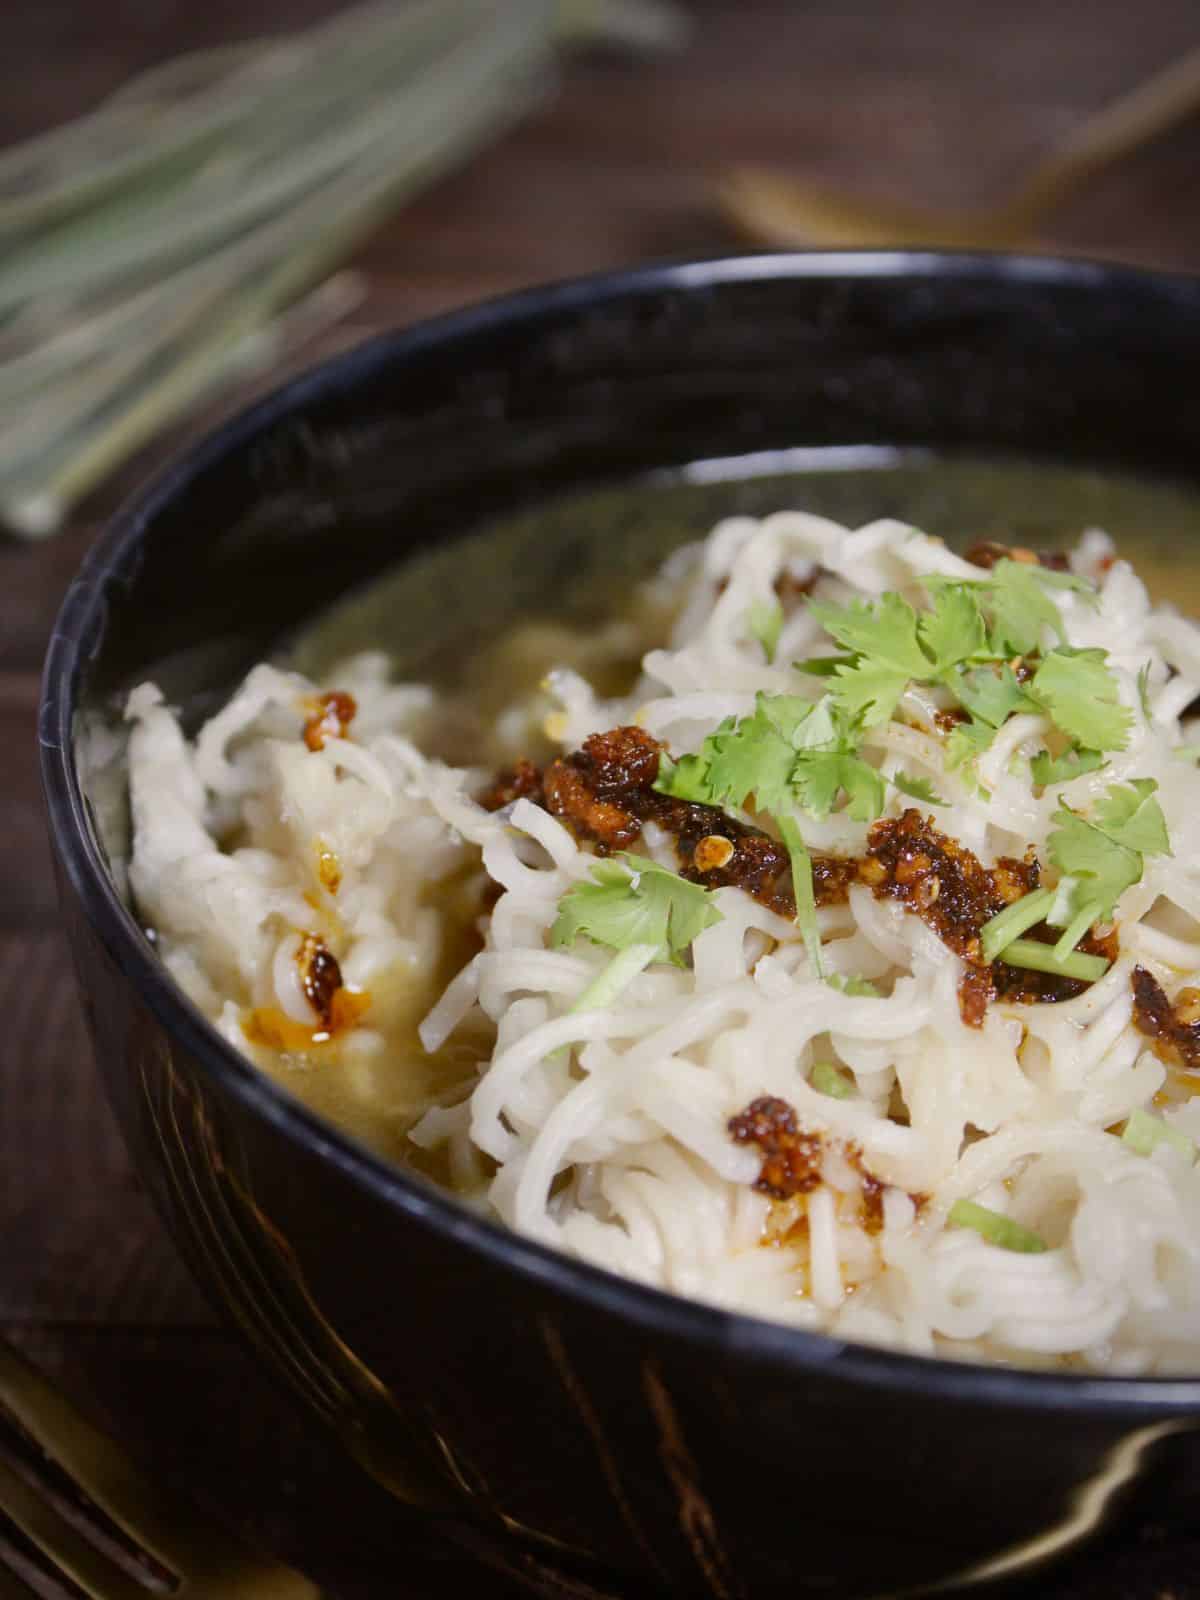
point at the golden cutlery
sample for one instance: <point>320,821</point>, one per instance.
<point>773,208</point>
<point>77,1517</point>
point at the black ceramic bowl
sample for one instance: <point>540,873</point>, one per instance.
<point>638,1442</point>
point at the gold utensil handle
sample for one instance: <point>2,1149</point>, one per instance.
<point>95,1517</point>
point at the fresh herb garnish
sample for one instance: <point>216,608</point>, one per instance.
<point>764,620</point>
<point>916,788</point>
<point>827,766</point>
<point>1080,694</point>
<point>853,986</point>
<point>1143,689</point>
<point>969,643</point>
<point>1099,859</point>
<point>1073,763</point>
<point>790,753</point>
<point>1144,1133</point>
<point>828,1079</point>
<point>1013,921</point>
<point>1103,857</point>
<point>632,901</point>
<point>802,890</point>
<point>995,1227</point>
<point>1037,957</point>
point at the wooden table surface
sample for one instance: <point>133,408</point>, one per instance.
<point>930,100</point>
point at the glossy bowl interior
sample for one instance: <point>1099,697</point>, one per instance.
<point>612,1435</point>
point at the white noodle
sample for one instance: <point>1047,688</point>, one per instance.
<point>606,1131</point>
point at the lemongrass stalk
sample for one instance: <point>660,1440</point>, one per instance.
<point>139,129</point>
<point>137,232</point>
<point>470,96</point>
<point>30,501</point>
<point>640,24</point>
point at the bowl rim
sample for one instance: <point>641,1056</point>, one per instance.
<point>80,622</point>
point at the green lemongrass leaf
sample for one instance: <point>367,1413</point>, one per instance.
<point>802,888</point>
<point>995,1227</point>
<point>329,227</point>
<point>1013,921</point>
<point>828,1079</point>
<point>1035,957</point>
<point>1144,1133</point>
<point>1186,752</point>
<point>764,620</point>
<point>638,24</point>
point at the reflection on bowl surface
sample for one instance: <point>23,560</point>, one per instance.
<point>601,1433</point>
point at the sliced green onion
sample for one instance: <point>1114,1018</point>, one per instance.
<point>853,986</point>
<point>616,976</point>
<point>1144,1133</point>
<point>765,621</point>
<point>609,982</point>
<point>1045,958</point>
<point>995,1227</point>
<point>1013,921</point>
<point>827,1079</point>
<point>802,887</point>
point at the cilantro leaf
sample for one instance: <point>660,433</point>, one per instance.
<point>751,758</point>
<point>632,901</point>
<point>967,740</point>
<point>823,666</point>
<point>1021,609</point>
<point>885,631</point>
<point>870,690</point>
<point>1129,814</point>
<point>1101,869</point>
<point>820,776</point>
<point>1080,693</point>
<point>685,779</point>
<point>764,620</point>
<point>1073,763</point>
<point>953,631</point>
<point>827,763</point>
<point>1104,857</point>
<point>917,788</point>
<point>991,695</point>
